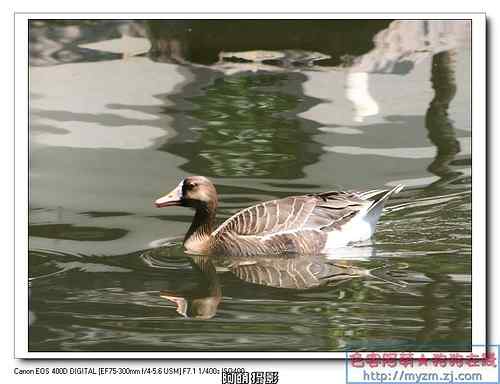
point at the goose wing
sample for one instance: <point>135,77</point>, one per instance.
<point>315,212</point>
<point>300,224</point>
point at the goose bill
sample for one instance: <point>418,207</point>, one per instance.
<point>171,199</point>
<point>180,302</point>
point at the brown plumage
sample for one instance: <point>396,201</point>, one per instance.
<point>307,224</point>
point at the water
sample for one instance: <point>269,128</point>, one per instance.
<point>122,110</point>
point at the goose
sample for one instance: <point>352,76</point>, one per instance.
<point>308,224</point>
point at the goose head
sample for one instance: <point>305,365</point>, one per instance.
<point>199,193</point>
<point>194,191</point>
<point>202,308</point>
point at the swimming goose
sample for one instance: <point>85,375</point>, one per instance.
<point>307,224</point>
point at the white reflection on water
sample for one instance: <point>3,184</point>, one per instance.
<point>357,92</point>
<point>424,181</point>
<point>341,130</point>
<point>80,105</point>
<point>94,135</point>
<point>126,45</point>
<point>400,152</point>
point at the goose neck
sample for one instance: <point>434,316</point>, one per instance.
<point>198,235</point>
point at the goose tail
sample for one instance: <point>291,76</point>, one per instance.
<point>375,210</point>
<point>381,274</point>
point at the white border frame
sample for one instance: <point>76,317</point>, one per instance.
<point>21,110</point>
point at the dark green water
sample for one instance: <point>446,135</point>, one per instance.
<point>122,110</point>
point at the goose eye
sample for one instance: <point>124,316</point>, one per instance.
<point>191,186</point>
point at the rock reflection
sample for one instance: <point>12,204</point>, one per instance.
<point>399,48</point>
<point>53,42</point>
<point>207,42</point>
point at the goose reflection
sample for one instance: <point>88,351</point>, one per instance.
<point>292,272</point>
<point>201,302</point>
<point>295,272</point>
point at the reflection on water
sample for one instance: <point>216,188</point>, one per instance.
<point>267,109</point>
<point>207,42</point>
<point>292,272</point>
<point>246,126</point>
<point>440,127</point>
<point>201,302</point>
